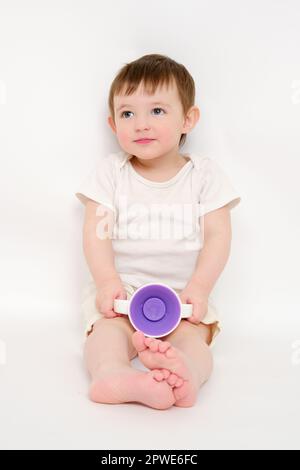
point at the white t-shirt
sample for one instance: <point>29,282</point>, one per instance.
<point>158,226</point>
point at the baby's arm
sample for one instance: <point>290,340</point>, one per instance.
<point>215,251</point>
<point>98,252</point>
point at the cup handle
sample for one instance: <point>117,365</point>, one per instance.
<point>121,306</point>
<point>186,310</point>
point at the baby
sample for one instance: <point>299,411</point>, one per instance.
<point>127,241</point>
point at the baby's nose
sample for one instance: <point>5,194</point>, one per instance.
<point>142,124</point>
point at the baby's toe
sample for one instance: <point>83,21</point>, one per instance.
<point>172,379</point>
<point>138,341</point>
<point>149,342</point>
<point>171,353</point>
<point>166,373</point>
<point>163,346</point>
<point>179,382</point>
<point>152,344</point>
<point>158,375</point>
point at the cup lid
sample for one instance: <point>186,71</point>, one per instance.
<point>155,309</point>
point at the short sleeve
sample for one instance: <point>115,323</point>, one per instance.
<point>100,184</point>
<point>216,189</point>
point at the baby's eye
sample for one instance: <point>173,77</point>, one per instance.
<point>157,114</point>
<point>125,112</point>
<point>160,109</point>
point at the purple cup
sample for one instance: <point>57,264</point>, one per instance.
<point>154,309</point>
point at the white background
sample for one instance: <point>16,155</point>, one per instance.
<point>57,60</point>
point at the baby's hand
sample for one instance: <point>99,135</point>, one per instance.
<point>192,294</point>
<point>106,294</point>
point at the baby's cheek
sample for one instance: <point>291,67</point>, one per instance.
<point>123,136</point>
<point>167,133</point>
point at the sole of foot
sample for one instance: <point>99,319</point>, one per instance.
<point>126,384</point>
<point>157,354</point>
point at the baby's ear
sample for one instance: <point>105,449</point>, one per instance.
<point>112,124</point>
<point>191,119</point>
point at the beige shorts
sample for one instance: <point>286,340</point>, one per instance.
<point>91,314</point>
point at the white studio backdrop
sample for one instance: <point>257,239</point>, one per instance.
<point>57,60</point>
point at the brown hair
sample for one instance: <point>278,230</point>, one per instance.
<point>154,70</point>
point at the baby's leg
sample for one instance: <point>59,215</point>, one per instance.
<point>185,353</point>
<point>109,345</point>
<point>108,352</point>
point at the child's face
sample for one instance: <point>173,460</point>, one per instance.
<point>158,117</point>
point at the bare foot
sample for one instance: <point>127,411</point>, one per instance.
<point>156,354</point>
<point>126,384</point>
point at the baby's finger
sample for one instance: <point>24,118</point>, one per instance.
<point>194,320</point>
<point>109,314</point>
<point>107,305</point>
